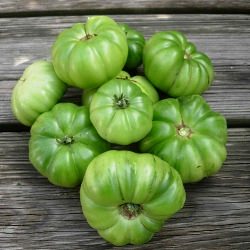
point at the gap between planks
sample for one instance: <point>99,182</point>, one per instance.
<point>42,8</point>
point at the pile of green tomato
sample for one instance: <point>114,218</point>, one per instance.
<point>136,139</point>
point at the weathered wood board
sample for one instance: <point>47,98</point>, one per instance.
<point>34,214</point>
<point>41,7</point>
<point>225,38</point>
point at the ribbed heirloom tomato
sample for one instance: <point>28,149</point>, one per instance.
<point>63,142</point>
<point>174,66</point>
<point>88,55</point>
<point>121,112</point>
<point>127,196</point>
<point>189,136</point>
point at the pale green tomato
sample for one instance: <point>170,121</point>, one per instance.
<point>37,91</point>
<point>90,54</point>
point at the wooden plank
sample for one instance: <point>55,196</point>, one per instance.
<point>26,7</point>
<point>37,215</point>
<point>229,95</point>
<point>225,38</point>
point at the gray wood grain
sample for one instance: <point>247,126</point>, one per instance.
<point>138,6</point>
<point>225,38</point>
<point>37,215</point>
<point>229,95</point>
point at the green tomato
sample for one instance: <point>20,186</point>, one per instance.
<point>127,196</point>
<point>136,44</point>
<point>62,144</point>
<point>121,112</point>
<point>174,66</point>
<point>146,87</point>
<point>37,91</point>
<point>88,55</point>
<point>189,136</point>
<point>87,94</point>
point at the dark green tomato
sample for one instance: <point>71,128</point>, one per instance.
<point>174,65</point>
<point>37,91</point>
<point>189,136</point>
<point>62,144</point>
<point>127,196</point>
<point>136,44</point>
<point>121,112</point>
<point>88,55</point>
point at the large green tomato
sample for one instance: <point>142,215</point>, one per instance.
<point>121,112</point>
<point>174,66</point>
<point>127,196</point>
<point>189,136</point>
<point>37,91</point>
<point>88,55</point>
<point>136,44</point>
<point>62,144</point>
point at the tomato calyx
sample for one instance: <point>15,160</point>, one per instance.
<point>120,102</point>
<point>122,78</point>
<point>88,37</point>
<point>184,131</point>
<point>187,56</point>
<point>130,210</point>
<point>66,140</point>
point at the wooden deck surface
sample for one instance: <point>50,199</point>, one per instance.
<point>37,215</point>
